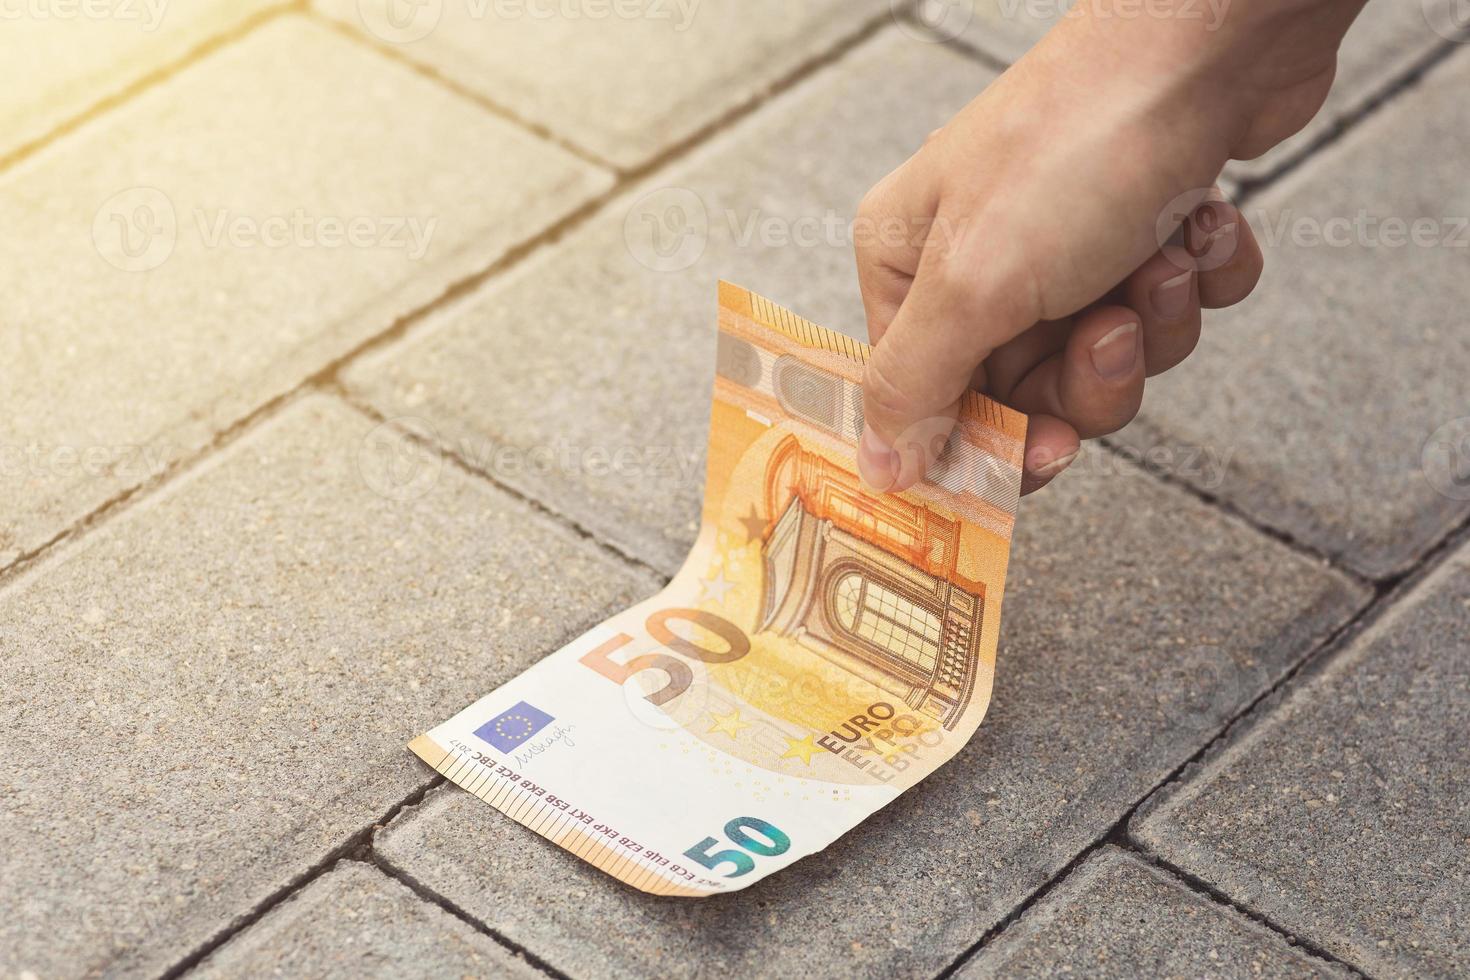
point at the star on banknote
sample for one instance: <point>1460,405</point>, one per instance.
<point>801,748</point>
<point>715,589</point>
<point>754,525</point>
<point>729,724</point>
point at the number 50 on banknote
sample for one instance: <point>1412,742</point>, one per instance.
<point>822,649</point>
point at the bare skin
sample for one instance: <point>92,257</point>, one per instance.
<point>1042,280</point>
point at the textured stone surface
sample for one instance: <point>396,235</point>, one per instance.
<point>1124,647</point>
<point>355,921</point>
<point>623,80</point>
<point>210,690</point>
<point>1116,916</point>
<point>606,345</point>
<point>68,57</point>
<point>1329,387</point>
<point>1345,815</point>
<point>205,696</point>
<point>1386,40</point>
<point>265,194</point>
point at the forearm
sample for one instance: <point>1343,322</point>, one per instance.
<point>1257,70</point>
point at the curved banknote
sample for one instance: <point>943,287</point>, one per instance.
<point>822,649</point>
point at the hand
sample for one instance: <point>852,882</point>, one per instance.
<point>1038,274</point>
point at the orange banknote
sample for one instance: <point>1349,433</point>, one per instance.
<point>822,649</point>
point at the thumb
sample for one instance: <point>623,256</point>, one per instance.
<point>954,315</point>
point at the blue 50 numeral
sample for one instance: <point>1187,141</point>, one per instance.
<point>739,831</point>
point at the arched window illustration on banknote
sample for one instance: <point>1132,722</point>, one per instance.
<point>866,582</point>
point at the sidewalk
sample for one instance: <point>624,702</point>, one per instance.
<point>357,356</point>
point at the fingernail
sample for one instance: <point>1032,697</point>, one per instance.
<point>878,464</point>
<point>1170,298</point>
<point>1115,355</point>
<point>1055,466</point>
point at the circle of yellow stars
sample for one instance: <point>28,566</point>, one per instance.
<point>500,726</point>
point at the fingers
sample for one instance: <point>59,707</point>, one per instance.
<point>1095,384</point>
<point>1226,254</point>
<point>953,316</point>
<point>1051,445</point>
<point>942,320</point>
<point>888,241</point>
<point>919,413</point>
<point>1164,292</point>
<point>908,408</point>
<point>1013,360</point>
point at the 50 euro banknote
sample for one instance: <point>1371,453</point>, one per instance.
<point>822,649</point>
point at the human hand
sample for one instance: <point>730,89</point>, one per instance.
<point>1041,279</point>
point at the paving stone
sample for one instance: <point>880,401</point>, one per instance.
<point>1117,916</point>
<point>1125,646</point>
<point>1335,390</point>
<point>355,921</point>
<point>225,235</point>
<point>626,79</point>
<point>1387,40</point>
<point>605,346</point>
<point>212,691</point>
<point>58,59</point>
<point>1003,29</point>
<point>1344,815</point>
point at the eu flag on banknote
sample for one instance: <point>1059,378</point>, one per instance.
<point>510,728</point>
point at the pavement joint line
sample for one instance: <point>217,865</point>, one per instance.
<point>475,473</point>
<point>429,895</point>
<point>1243,721</point>
<point>1372,104</point>
<point>324,376</point>
<point>149,80</point>
<point>402,327</point>
<point>1117,837</point>
<point>1025,905</point>
<point>1230,509</point>
<point>628,175</point>
<point>120,503</point>
<point>1388,594</point>
<point>392,53</point>
<point>358,841</point>
<point>359,845</point>
<point>596,206</point>
<point>1206,890</point>
<point>964,47</point>
<point>738,113</point>
<point>354,843</point>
